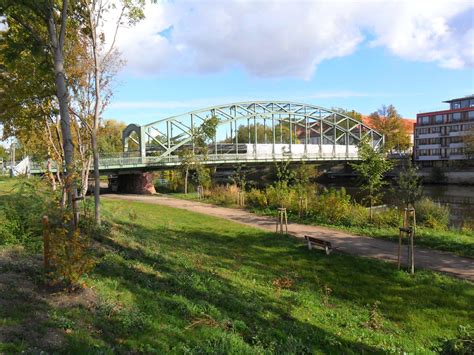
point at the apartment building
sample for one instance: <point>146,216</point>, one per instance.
<point>439,134</point>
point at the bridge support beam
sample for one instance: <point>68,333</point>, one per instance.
<point>136,183</point>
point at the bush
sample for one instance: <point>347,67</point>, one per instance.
<point>389,217</point>
<point>280,195</point>
<point>332,206</point>
<point>432,214</point>
<point>223,195</point>
<point>256,198</point>
<point>462,344</point>
<point>20,215</point>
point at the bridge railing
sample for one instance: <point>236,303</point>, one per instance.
<point>126,162</point>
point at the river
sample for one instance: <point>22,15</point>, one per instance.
<point>459,198</point>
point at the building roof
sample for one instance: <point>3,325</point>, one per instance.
<point>460,98</point>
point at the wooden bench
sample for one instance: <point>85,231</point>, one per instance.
<point>315,242</point>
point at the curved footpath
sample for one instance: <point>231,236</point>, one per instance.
<point>363,246</point>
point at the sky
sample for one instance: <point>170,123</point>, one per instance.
<point>357,55</point>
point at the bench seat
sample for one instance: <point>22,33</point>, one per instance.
<point>315,242</point>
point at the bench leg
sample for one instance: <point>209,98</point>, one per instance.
<point>309,245</point>
<point>327,250</point>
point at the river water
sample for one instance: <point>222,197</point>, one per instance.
<point>459,198</point>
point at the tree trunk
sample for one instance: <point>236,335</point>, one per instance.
<point>186,181</point>
<point>57,44</point>
<point>97,110</point>
<point>370,211</point>
<point>95,153</point>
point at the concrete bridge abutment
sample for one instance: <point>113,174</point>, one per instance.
<point>137,183</point>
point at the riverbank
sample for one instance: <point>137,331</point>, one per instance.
<point>456,242</point>
<point>174,281</point>
<point>341,241</point>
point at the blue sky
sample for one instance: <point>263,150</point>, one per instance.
<point>190,54</point>
<point>362,81</point>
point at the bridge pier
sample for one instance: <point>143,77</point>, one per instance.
<point>136,183</point>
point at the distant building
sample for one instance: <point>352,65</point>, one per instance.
<point>439,134</point>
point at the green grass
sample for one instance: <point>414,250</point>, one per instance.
<point>172,281</point>
<point>7,184</point>
<point>454,241</point>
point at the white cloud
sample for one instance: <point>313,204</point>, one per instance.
<point>290,38</point>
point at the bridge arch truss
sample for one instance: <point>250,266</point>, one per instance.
<point>254,131</point>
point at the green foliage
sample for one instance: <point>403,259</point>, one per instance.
<point>21,224</point>
<point>3,154</point>
<point>332,206</point>
<point>432,214</point>
<point>21,212</point>
<point>387,217</point>
<point>109,137</point>
<point>463,344</point>
<point>203,176</point>
<point>437,175</point>
<point>240,177</point>
<point>257,199</point>
<point>371,172</point>
<point>351,113</point>
<point>409,186</point>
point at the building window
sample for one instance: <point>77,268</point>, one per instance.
<point>471,114</point>
<point>454,128</point>
<point>464,103</point>
<point>455,105</point>
<point>456,116</point>
<point>435,129</point>
<point>471,103</point>
<point>439,118</point>
<point>425,120</point>
<point>456,151</point>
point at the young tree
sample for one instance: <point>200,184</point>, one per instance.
<point>103,57</point>
<point>371,170</point>
<point>409,186</point>
<point>388,122</point>
<point>191,157</point>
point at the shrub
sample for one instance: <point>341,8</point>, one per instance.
<point>389,217</point>
<point>280,195</point>
<point>256,198</point>
<point>223,195</point>
<point>432,214</point>
<point>21,213</point>
<point>332,206</point>
<point>462,344</point>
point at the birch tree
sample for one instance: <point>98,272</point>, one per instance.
<point>104,62</point>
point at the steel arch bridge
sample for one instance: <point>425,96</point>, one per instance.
<point>253,132</point>
<point>247,132</point>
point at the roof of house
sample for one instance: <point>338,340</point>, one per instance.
<point>461,98</point>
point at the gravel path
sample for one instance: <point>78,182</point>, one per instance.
<point>342,241</point>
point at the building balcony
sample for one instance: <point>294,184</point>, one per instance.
<point>429,157</point>
<point>428,135</point>
<point>457,157</point>
<point>456,145</point>
<point>428,146</point>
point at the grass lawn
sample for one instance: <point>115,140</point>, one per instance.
<point>454,241</point>
<point>172,281</point>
